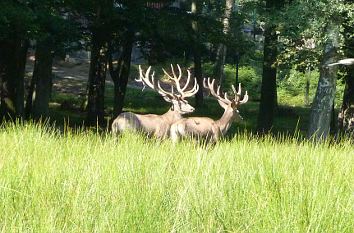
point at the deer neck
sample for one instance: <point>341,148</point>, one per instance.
<point>172,116</point>
<point>226,120</point>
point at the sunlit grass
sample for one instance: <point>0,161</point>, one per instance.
<point>83,182</point>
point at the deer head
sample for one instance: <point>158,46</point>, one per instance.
<point>229,105</point>
<point>177,99</point>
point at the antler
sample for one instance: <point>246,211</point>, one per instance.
<point>237,97</point>
<point>209,84</point>
<point>145,79</point>
<point>182,90</point>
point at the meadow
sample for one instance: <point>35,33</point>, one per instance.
<point>59,177</point>
<point>86,181</point>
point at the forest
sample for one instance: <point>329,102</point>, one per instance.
<point>281,50</point>
<point>270,82</point>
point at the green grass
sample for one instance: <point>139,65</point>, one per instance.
<point>67,181</point>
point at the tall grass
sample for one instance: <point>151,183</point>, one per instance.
<point>86,182</point>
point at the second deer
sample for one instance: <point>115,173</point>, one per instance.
<point>205,127</point>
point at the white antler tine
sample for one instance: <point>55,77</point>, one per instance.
<point>165,72</point>
<point>140,74</point>
<point>211,83</point>
<point>239,89</point>
<point>173,72</point>
<point>180,72</point>
<point>160,89</point>
<point>188,80</point>
<point>245,98</point>
<point>204,83</point>
<point>153,78</point>
<point>233,89</point>
<point>196,85</point>
<point>147,72</point>
<point>226,98</point>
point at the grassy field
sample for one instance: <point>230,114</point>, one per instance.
<point>70,180</point>
<point>53,181</point>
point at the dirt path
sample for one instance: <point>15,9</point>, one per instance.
<point>69,78</point>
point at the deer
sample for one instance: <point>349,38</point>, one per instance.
<point>159,125</point>
<point>205,127</point>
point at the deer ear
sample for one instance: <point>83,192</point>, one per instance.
<point>167,99</point>
<point>222,104</point>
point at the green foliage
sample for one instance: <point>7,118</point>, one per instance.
<point>291,89</point>
<point>295,31</point>
<point>248,77</point>
<point>16,19</point>
<point>85,182</point>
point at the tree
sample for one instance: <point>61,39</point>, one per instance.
<point>15,25</point>
<point>42,79</point>
<point>120,73</point>
<point>268,87</point>
<point>321,110</point>
<point>222,48</point>
<point>54,32</point>
<point>195,9</point>
<point>346,114</point>
<point>99,18</point>
<point>322,107</point>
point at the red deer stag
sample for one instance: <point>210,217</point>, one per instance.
<point>159,125</point>
<point>204,127</point>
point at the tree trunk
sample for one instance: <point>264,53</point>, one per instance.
<point>120,74</point>
<point>268,88</point>
<point>12,69</point>
<point>199,76</point>
<point>221,48</point>
<point>29,99</point>
<point>321,110</point>
<point>96,82</point>
<point>42,78</point>
<point>220,62</point>
<point>307,87</point>
<point>346,114</point>
<point>196,55</point>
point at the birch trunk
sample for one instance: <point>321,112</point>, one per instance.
<point>221,48</point>
<point>321,110</point>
